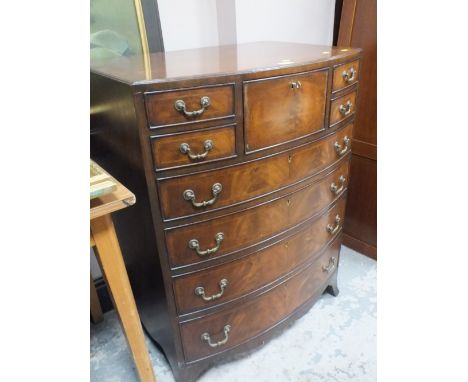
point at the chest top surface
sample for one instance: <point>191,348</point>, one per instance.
<point>217,61</point>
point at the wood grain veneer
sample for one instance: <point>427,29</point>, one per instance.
<point>249,180</point>
<point>259,268</point>
<point>283,213</point>
<point>282,158</point>
<point>280,109</point>
<point>260,314</point>
<point>161,105</point>
<point>166,148</point>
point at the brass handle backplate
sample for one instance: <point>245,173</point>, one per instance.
<point>181,107</point>
<point>346,108</point>
<point>195,245</point>
<point>331,265</point>
<point>189,195</point>
<point>340,150</point>
<point>335,189</point>
<point>332,230</point>
<point>348,75</point>
<point>206,337</point>
<point>200,291</point>
<point>185,149</point>
<point>295,84</point>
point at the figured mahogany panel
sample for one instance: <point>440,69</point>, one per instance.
<point>281,109</point>
<point>258,315</point>
<point>258,269</point>
<point>345,75</point>
<point>308,201</point>
<point>238,183</point>
<point>307,159</point>
<point>167,149</point>
<point>265,220</point>
<point>237,229</point>
<point>288,188</point>
<point>245,181</point>
<point>342,108</point>
<point>160,106</point>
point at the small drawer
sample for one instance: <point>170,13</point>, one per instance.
<point>182,149</point>
<point>281,109</point>
<point>231,280</point>
<point>174,107</point>
<point>345,75</point>
<point>224,235</point>
<point>221,331</point>
<point>342,108</point>
<point>201,192</point>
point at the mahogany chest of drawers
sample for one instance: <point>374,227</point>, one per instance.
<point>239,159</point>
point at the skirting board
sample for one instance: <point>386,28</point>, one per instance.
<point>360,246</point>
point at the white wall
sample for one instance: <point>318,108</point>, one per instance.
<point>188,24</point>
<point>305,21</point>
<point>227,28</point>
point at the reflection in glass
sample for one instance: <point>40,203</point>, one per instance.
<point>114,30</point>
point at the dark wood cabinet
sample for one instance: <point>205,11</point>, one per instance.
<point>358,28</point>
<point>240,165</point>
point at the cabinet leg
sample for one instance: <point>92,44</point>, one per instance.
<point>332,287</point>
<point>115,274</point>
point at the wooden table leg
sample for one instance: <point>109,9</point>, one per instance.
<point>96,311</point>
<point>115,274</point>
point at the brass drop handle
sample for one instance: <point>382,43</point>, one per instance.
<point>334,188</point>
<point>331,265</point>
<point>195,245</point>
<point>295,85</point>
<point>346,108</point>
<point>348,75</point>
<point>185,149</point>
<point>206,337</point>
<point>340,150</point>
<point>189,195</point>
<point>200,291</point>
<point>332,230</point>
<point>180,106</point>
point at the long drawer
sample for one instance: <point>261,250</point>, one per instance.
<point>234,232</point>
<point>229,281</point>
<point>201,192</point>
<point>220,331</point>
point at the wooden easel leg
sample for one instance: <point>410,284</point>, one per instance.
<point>115,274</point>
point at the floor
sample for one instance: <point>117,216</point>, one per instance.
<point>334,341</point>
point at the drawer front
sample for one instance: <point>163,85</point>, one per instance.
<point>305,160</point>
<point>234,279</point>
<point>197,193</point>
<point>265,220</point>
<point>194,147</point>
<point>284,108</point>
<point>239,324</point>
<point>198,104</point>
<point>342,108</point>
<point>345,75</point>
